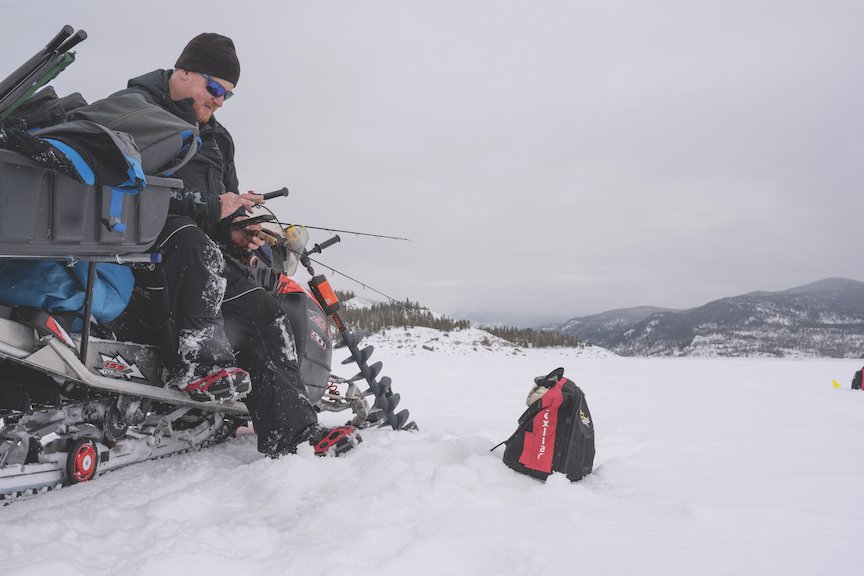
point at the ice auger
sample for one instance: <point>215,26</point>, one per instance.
<point>293,241</point>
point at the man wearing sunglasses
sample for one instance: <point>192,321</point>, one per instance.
<point>199,278</point>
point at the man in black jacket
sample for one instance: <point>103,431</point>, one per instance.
<point>199,276</point>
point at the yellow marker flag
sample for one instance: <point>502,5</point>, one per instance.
<point>835,383</point>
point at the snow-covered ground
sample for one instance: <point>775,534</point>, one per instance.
<point>704,467</point>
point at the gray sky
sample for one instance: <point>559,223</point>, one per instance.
<point>549,158</point>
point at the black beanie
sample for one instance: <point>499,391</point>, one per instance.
<point>211,54</point>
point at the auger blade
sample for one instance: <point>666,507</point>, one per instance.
<point>385,400</point>
<point>355,338</point>
<point>382,403</point>
<point>393,399</point>
<point>375,417</point>
<point>374,388</point>
<point>365,354</point>
<point>375,369</point>
<point>384,384</point>
<point>402,419</point>
<point>398,420</point>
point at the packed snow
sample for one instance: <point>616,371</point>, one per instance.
<point>704,467</point>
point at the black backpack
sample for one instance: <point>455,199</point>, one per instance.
<point>856,380</point>
<point>555,434</point>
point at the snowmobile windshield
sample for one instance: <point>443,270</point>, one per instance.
<point>287,256</point>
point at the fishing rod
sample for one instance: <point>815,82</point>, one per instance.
<point>285,192</point>
<point>271,238</point>
<point>288,225</point>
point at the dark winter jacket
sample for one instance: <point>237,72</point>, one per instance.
<point>211,171</point>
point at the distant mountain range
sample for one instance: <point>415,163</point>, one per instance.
<point>825,318</point>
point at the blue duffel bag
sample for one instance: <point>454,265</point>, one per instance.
<point>56,287</point>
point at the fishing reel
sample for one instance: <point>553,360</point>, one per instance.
<point>286,244</point>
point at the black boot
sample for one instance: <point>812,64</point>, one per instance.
<point>282,415</point>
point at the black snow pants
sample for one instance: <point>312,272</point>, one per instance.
<point>260,333</point>
<point>177,304</point>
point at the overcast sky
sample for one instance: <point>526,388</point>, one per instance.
<point>548,158</point>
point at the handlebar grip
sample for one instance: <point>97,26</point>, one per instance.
<point>276,194</point>
<point>329,242</point>
<point>326,244</point>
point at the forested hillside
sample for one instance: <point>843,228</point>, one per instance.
<point>373,317</point>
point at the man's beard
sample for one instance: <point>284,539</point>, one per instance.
<point>203,114</point>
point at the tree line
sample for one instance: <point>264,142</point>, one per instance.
<point>406,313</point>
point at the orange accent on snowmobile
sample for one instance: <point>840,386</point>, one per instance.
<point>286,285</point>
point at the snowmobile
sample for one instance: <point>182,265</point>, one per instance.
<point>74,405</point>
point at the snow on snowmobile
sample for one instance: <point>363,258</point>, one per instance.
<point>75,404</point>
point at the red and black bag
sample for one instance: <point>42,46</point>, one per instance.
<point>555,434</point>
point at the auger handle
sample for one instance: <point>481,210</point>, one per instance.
<point>276,194</point>
<point>326,244</point>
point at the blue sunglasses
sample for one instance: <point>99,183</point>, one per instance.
<point>215,89</point>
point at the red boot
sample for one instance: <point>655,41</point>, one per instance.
<point>220,385</point>
<point>335,441</point>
